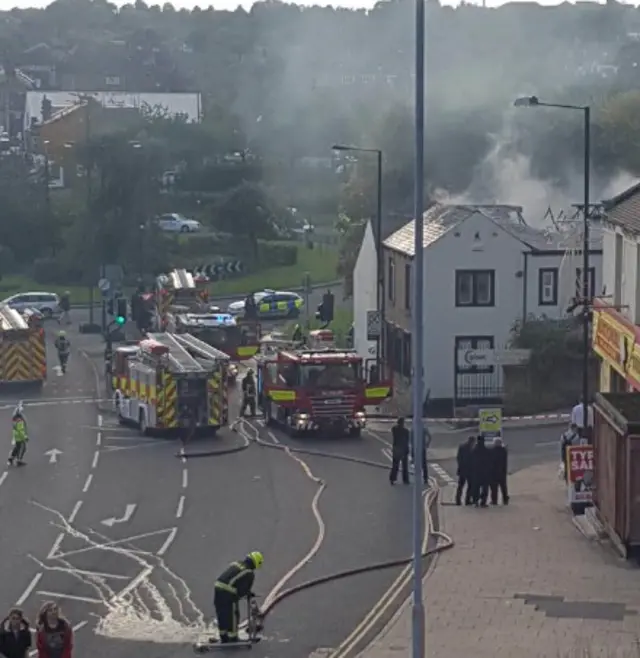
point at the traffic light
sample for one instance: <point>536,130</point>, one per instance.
<point>327,306</point>
<point>121,310</point>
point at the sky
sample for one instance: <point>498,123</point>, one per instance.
<point>232,4</point>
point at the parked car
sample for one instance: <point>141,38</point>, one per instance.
<point>177,223</point>
<point>47,303</point>
<point>292,305</point>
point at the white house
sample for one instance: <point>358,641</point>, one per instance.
<point>616,334</point>
<point>485,268</point>
<point>364,293</point>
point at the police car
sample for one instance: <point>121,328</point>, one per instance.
<point>272,305</point>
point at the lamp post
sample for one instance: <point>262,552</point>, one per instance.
<point>380,299</point>
<point>533,101</point>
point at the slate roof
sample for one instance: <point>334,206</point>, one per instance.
<point>624,210</point>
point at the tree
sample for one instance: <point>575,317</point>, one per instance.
<point>248,211</point>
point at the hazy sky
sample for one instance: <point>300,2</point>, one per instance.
<point>232,4</point>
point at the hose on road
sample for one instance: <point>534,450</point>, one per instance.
<point>279,594</point>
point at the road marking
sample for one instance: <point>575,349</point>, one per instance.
<point>74,512</point>
<point>116,542</point>
<point>180,509</point>
<point>165,547</point>
<point>53,553</point>
<point>142,576</point>
<point>99,420</point>
<point>128,513</point>
<point>3,477</point>
<point>96,457</point>
<point>135,447</point>
<point>84,572</point>
<point>30,587</point>
<point>442,473</point>
<point>71,597</point>
<point>53,454</point>
<point>185,478</point>
<point>99,439</point>
<point>87,483</point>
<point>544,444</point>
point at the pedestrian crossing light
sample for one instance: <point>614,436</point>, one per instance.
<point>121,320</point>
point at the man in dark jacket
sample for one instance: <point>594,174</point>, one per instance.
<point>248,394</point>
<point>15,637</point>
<point>499,465</point>
<point>481,470</point>
<point>399,452</point>
<point>465,484</point>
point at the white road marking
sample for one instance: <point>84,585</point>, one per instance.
<point>99,439</point>
<point>135,447</point>
<point>128,513</point>
<point>87,483</point>
<point>180,509</point>
<point>185,478</point>
<point>544,444</point>
<point>74,511</point>
<point>56,546</point>
<point>165,547</point>
<point>3,477</point>
<point>70,597</point>
<point>442,473</point>
<point>116,542</point>
<point>96,457</point>
<point>141,577</point>
<point>30,587</point>
<point>84,572</point>
<point>99,420</point>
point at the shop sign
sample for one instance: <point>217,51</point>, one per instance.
<point>580,480</point>
<point>612,341</point>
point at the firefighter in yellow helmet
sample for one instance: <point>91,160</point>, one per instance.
<point>235,583</point>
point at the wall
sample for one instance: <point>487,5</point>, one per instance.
<point>629,278</point>
<point>458,249</point>
<point>567,265</point>
<point>608,259</point>
<point>364,293</point>
<point>396,310</point>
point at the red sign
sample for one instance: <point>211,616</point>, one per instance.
<point>580,476</point>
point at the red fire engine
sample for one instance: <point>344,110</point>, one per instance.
<point>317,389</point>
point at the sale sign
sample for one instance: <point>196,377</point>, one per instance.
<point>580,475</point>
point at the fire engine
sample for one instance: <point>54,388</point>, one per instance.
<point>170,381</point>
<point>236,338</point>
<point>316,387</point>
<point>23,357</point>
<point>178,291</point>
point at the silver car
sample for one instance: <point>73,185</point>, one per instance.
<point>176,223</point>
<point>47,303</point>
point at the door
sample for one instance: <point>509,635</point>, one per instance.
<point>477,380</point>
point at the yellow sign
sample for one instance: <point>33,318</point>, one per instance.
<point>633,365</point>
<point>613,341</point>
<point>490,422</point>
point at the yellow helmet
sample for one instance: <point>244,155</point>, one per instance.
<point>256,558</point>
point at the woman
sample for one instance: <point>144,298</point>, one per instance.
<point>15,637</point>
<point>54,637</point>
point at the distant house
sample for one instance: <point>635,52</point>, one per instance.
<point>485,268</point>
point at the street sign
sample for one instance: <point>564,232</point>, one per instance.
<point>490,421</point>
<point>374,325</point>
<point>219,270</point>
<point>104,285</point>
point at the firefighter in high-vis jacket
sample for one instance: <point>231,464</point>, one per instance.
<point>19,437</point>
<point>235,583</point>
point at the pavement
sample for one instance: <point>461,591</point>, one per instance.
<point>522,581</point>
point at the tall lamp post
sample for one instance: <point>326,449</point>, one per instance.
<point>533,101</point>
<point>380,299</point>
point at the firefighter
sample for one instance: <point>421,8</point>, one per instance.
<point>63,347</point>
<point>235,583</point>
<point>400,452</point>
<point>248,393</point>
<point>297,334</point>
<point>19,438</point>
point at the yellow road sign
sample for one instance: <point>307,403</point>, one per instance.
<point>490,422</point>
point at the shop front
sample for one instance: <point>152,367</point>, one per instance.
<point>617,342</point>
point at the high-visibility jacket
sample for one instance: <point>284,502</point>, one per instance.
<point>237,579</point>
<point>19,431</point>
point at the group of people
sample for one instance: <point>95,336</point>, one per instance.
<point>53,634</point>
<point>482,472</point>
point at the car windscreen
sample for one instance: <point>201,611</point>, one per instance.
<point>330,375</point>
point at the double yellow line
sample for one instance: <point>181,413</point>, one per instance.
<point>392,594</point>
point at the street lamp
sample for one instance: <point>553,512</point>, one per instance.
<point>533,101</point>
<point>380,299</point>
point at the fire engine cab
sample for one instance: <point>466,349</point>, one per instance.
<point>178,291</point>
<point>239,340</point>
<point>323,389</point>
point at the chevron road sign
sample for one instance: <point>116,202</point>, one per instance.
<point>220,270</point>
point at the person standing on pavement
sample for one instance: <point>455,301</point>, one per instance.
<point>577,419</point>
<point>499,467</point>
<point>400,452</point>
<point>426,440</point>
<point>54,636</point>
<point>65,308</point>
<point>465,485</point>
<point>15,636</point>
<point>481,470</point>
<point>248,394</point>
<point>19,438</point>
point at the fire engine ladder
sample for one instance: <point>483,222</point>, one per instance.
<point>200,349</point>
<point>179,358</point>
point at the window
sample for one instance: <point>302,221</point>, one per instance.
<point>475,288</point>
<point>391,282</point>
<point>548,286</point>
<point>592,282</point>
<point>407,286</point>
